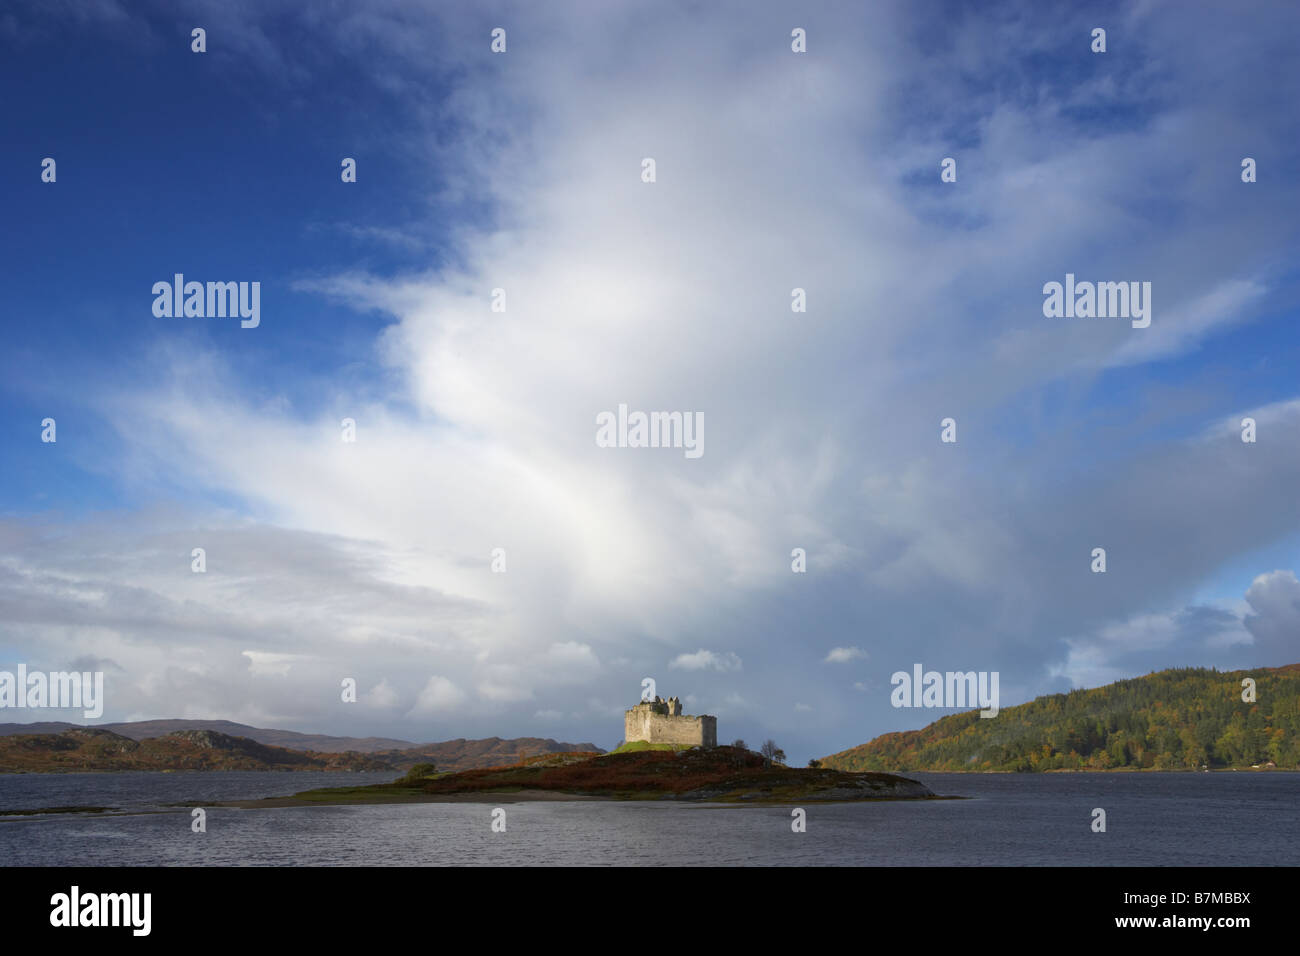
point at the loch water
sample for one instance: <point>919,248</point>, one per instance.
<point>1152,819</point>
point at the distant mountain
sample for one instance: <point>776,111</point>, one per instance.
<point>383,752</point>
<point>92,748</point>
<point>1170,720</point>
<point>144,729</point>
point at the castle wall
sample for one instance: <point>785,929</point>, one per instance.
<point>644,723</point>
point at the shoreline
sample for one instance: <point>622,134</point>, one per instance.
<point>345,800</point>
<point>551,796</point>
<point>482,797</point>
<point>1036,773</point>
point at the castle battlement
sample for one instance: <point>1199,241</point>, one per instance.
<point>661,721</point>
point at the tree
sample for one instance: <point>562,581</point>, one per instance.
<point>772,753</point>
<point>420,771</point>
<point>815,764</point>
<point>740,754</point>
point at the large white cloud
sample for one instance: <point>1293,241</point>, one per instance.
<point>775,171</point>
<point>1274,621</point>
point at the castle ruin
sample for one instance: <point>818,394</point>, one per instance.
<point>662,722</point>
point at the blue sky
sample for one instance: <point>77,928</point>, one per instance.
<point>475,429</point>
<point>163,150</point>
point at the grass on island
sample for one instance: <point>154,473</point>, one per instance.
<point>637,746</point>
<point>408,787</point>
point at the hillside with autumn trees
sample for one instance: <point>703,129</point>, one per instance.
<point>1181,719</point>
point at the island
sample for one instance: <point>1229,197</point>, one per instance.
<point>636,771</point>
<point>666,755</point>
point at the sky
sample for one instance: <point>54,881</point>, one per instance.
<point>475,428</point>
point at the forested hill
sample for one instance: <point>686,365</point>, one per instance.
<point>1170,720</point>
